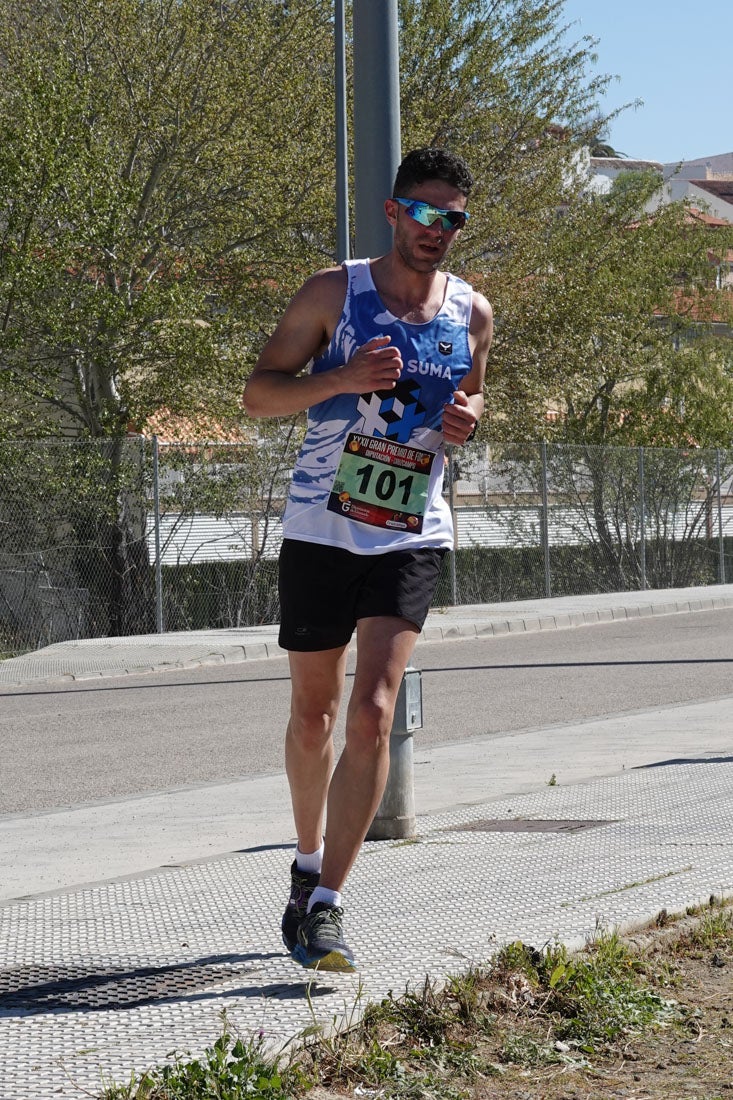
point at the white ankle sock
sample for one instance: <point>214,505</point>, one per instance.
<point>309,861</point>
<point>329,897</point>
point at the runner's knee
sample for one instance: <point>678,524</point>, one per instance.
<point>369,723</point>
<point>311,727</point>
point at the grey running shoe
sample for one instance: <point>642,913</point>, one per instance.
<point>302,885</point>
<point>321,943</point>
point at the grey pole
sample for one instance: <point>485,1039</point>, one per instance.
<point>642,520</point>
<point>158,562</point>
<point>376,120</point>
<point>721,540</point>
<point>545,522</point>
<point>342,154</point>
<point>376,159</point>
<point>395,817</point>
<point>452,506</point>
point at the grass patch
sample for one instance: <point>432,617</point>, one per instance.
<point>231,1069</point>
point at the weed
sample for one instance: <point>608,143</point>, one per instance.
<point>528,1052</point>
<point>591,999</point>
<point>231,1069</point>
<point>538,1014</point>
<point>714,929</point>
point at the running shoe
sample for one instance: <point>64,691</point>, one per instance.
<point>302,885</point>
<point>321,943</point>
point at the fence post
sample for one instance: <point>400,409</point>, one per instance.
<point>721,541</point>
<point>642,520</point>
<point>545,522</point>
<point>452,506</point>
<point>156,519</point>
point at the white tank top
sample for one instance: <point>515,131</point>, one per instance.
<point>369,475</point>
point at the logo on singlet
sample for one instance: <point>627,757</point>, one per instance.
<point>392,414</point>
<point>445,347</point>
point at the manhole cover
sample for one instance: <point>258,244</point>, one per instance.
<point>34,989</point>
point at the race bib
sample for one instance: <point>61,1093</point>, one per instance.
<point>382,483</point>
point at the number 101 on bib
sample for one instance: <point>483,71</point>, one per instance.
<point>382,483</point>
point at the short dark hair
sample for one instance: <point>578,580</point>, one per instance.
<point>432,164</point>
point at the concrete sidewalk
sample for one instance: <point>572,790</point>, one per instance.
<point>110,976</point>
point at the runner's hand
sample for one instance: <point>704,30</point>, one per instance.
<point>459,419</point>
<point>376,365</point>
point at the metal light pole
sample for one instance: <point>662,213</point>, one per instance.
<point>342,153</point>
<point>376,159</point>
<point>376,120</point>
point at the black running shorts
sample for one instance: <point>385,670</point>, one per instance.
<point>325,590</point>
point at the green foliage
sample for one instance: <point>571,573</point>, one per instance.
<point>592,999</point>
<point>166,182</point>
<point>715,929</point>
<point>231,1069</point>
<point>149,221</point>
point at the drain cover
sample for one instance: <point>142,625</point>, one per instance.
<point>34,989</point>
<point>525,825</point>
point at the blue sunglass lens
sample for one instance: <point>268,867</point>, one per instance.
<point>425,214</point>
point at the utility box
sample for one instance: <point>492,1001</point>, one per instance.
<point>395,817</point>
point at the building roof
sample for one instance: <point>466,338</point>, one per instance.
<point>625,165</point>
<point>173,428</point>
<point>720,189</point>
<point>693,214</point>
<point>720,164</point>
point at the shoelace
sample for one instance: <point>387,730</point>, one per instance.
<point>328,921</point>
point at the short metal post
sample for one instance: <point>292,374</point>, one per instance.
<point>395,817</point>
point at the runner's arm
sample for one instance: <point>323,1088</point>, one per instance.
<point>277,387</point>
<point>461,416</point>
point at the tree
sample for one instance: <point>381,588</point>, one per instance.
<point>608,318</point>
<point>162,187</point>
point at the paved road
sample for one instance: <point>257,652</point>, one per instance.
<point>72,744</point>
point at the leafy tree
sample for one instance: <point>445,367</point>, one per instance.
<point>162,186</point>
<point>608,317</point>
<point>162,189</point>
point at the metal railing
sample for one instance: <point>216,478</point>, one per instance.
<point>130,537</point>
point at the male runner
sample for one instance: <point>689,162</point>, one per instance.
<point>398,351</point>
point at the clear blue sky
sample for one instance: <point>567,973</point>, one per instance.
<point>677,57</point>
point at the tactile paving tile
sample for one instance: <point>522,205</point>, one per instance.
<point>100,982</point>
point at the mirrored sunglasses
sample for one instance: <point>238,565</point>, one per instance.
<point>426,214</point>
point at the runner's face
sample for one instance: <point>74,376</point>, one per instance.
<point>423,247</point>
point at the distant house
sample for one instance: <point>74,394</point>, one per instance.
<point>706,183</point>
<point>603,171</point>
<point>714,195</point>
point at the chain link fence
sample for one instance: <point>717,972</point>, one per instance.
<point>130,537</point>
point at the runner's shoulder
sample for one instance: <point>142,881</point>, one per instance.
<point>482,316</point>
<point>325,287</point>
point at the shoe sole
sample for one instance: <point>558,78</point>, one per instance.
<point>334,961</point>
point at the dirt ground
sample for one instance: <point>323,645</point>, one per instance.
<point>689,1057</point>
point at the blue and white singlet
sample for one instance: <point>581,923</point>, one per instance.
<point>369,475</point>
